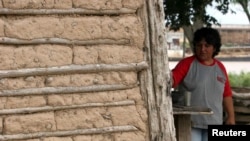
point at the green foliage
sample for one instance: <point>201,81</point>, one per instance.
<point>239,80</point>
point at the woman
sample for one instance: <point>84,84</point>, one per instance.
<point>207,80</point>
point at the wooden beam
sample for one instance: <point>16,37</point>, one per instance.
<point>101,130</point>
<point>241,109</point>
<point>6,11</point>
<point>242,118</point>
<point>30,110</point>
<point>90,68</point>
<point>15,41</point>
<point>183,127</point>
<point>64,90</point>
<point>245,96</point>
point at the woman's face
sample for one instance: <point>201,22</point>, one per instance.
<point>204,51</point>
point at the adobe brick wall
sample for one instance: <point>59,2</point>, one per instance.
<point>44,96</point>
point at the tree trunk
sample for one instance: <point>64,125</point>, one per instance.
<point>189,31</point>
<point>159,101</point>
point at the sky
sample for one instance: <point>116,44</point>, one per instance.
<point>231,18</point>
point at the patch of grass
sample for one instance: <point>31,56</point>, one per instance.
<point>239,80</point>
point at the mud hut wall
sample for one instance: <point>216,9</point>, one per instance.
<point>69,70</point>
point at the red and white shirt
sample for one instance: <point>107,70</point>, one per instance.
<point>208,85</point>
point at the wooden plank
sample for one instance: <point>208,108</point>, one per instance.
<point>244,96</point>
<point>182,120</point>
<point>241,102</point>
<point>242,118</point>
<point>178,110</point>
<point>183,127</point>
<point>241,109</point>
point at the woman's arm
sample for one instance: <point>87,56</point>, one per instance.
<point>229,109</point>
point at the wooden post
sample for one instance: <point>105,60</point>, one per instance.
<point>183,127</point>
<point>157,78</point>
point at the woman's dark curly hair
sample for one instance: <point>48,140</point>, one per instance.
<point>210,35</point>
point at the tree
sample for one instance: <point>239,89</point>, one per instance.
<point>191,14</point>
